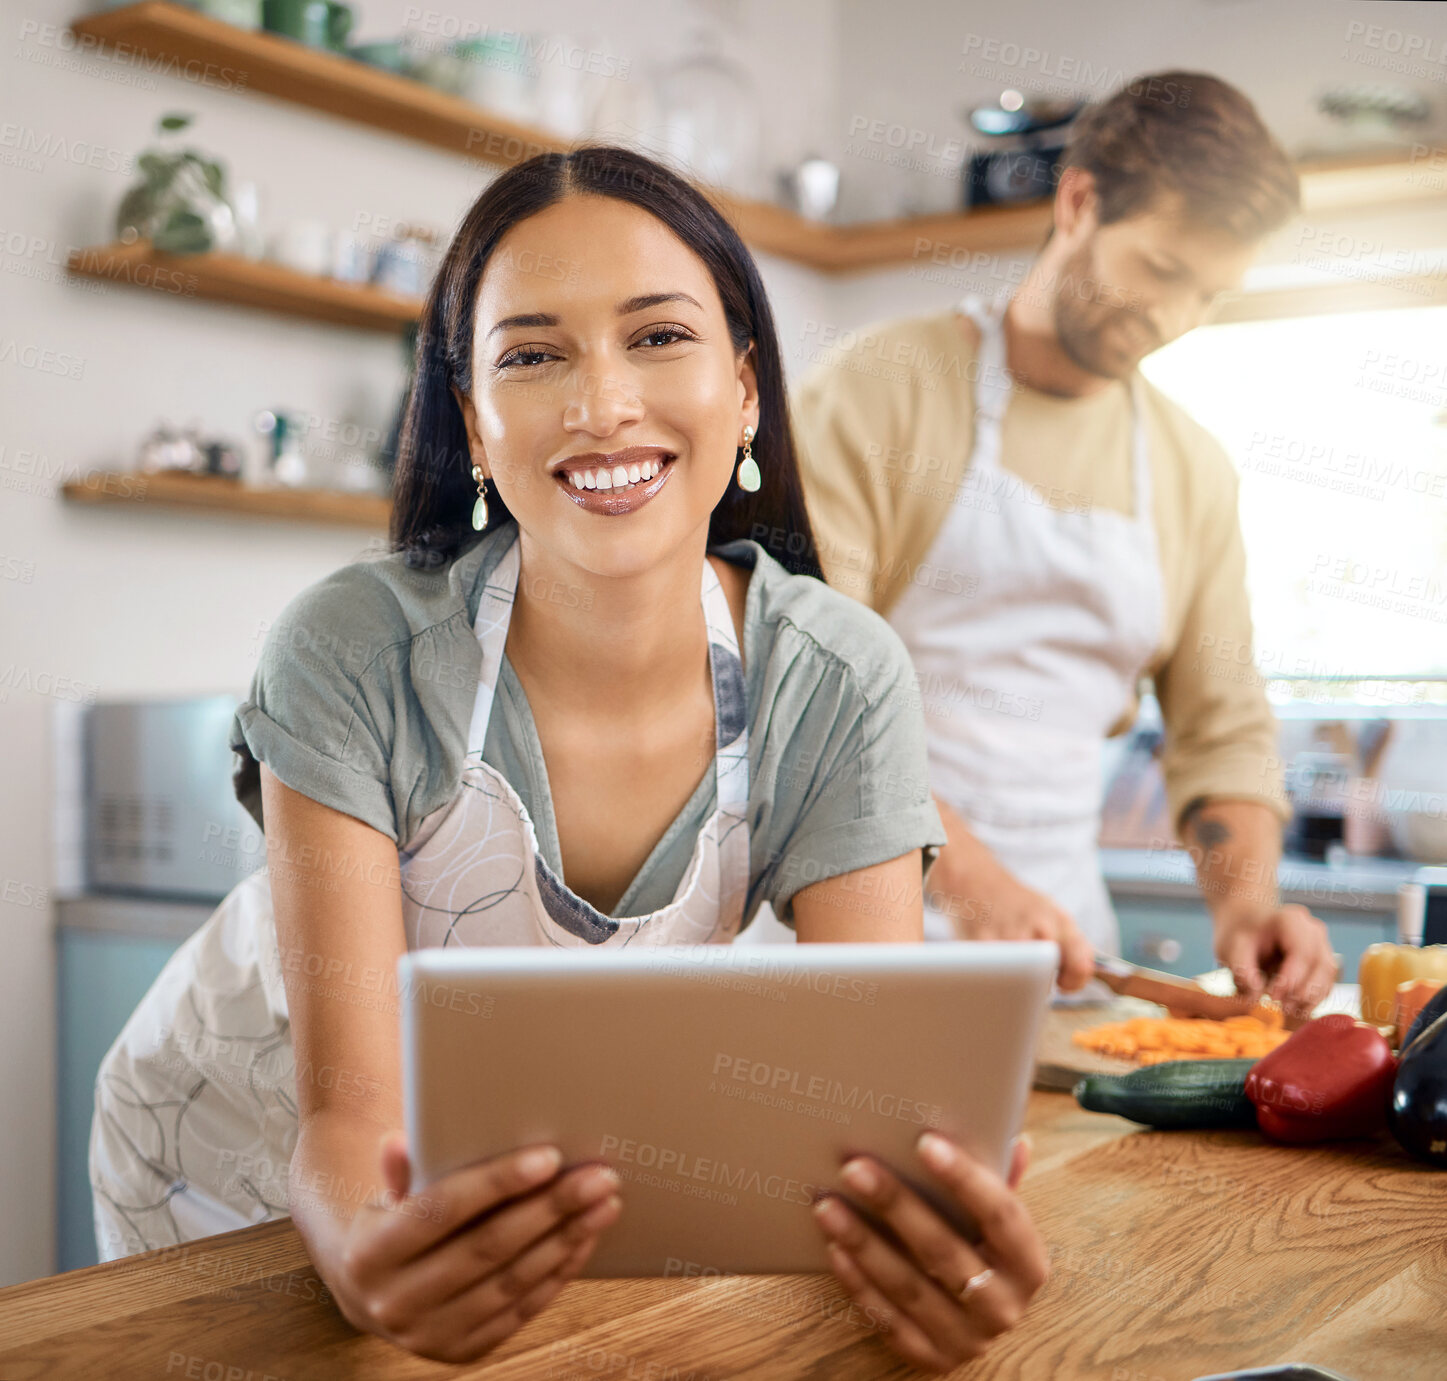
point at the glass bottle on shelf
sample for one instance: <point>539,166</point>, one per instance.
<point>709,107</point>
<point>169,448</point>
<point>286,464</point>
<point>246,205</point>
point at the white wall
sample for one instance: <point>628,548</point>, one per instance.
<point>125,602</point>
<point>119,602</point>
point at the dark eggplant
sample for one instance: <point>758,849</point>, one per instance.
<point>1418,1114</point>
<point>1436,1006</point>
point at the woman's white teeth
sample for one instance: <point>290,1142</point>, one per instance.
<point>615,478</point>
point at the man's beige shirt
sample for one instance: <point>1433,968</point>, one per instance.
<point>884,423</point>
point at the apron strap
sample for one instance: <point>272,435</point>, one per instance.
<point>494,613</point>
<point>992,381</point>
<point>730,701</point>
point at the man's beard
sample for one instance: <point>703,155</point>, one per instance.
<point>1094,331</point>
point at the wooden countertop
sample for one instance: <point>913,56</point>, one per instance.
<point>1174,1255</point>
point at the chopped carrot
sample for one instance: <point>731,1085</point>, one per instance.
<point>1154,1040</point>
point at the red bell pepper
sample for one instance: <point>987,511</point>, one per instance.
<point>1331,1079</point>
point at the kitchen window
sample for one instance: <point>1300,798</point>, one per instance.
<point>1337,425</point>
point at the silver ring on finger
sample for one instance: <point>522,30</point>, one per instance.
<point>978,1281</point>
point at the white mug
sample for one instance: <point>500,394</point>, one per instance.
<point>305,246</point>
<point>1427,891</point>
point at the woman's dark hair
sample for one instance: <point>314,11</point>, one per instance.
<point>434,492</point>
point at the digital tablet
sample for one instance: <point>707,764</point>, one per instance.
<point>725,1084</point>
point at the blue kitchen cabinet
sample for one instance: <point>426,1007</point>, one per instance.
<point>1175,936</point>
<point>101,978</point>
<point>1352,931</point>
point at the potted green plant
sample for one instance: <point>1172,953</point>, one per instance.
<point>181,203</point>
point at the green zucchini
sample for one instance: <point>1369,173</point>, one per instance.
<point>1176,1094</point>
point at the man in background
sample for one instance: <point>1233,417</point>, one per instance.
<point>1044,529</point>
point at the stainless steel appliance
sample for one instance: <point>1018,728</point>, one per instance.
<point>160,816</point>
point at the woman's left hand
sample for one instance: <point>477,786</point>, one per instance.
<point>943,1300</point>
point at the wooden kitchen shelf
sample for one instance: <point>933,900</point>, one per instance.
<point>220,277</point>
<point>352,90</point>
<point>270,287</point>
<point>157,30</point>
<point>213,494</point>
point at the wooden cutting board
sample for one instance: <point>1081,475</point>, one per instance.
<point>1059,1062</point>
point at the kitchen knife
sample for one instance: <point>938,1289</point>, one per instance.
<point>1183,996</point>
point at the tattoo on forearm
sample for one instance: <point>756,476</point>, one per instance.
<point>1212,833</point>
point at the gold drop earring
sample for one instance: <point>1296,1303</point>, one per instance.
<point>748,467</point>
<point>479,509</point>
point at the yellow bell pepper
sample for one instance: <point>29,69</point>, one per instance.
<point>1384,966</point>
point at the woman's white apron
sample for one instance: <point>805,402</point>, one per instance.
<point>196,1103</point>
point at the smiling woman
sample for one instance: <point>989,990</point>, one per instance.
<point>609,717</point>
<point>562,304</point>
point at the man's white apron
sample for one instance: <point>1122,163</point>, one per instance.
<point>1025,665</point>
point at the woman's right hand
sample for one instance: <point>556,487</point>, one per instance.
<point>939,1297</point>
<point>452,1271</point>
